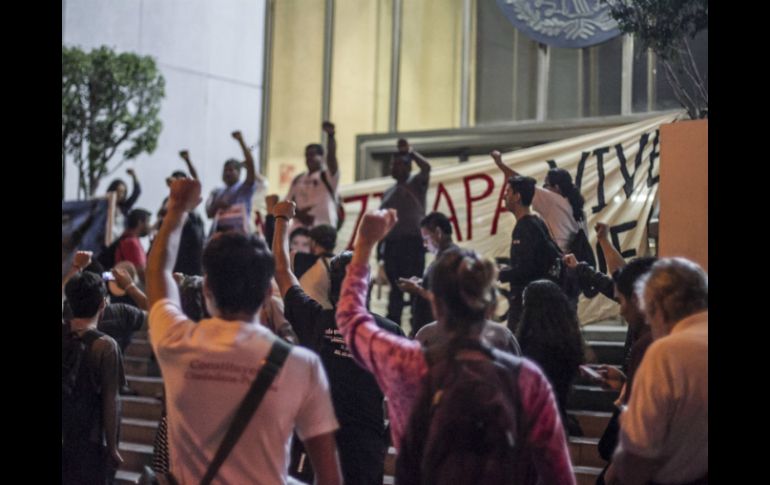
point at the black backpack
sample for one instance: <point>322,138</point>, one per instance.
<point>581,248</point>
<point>107,257</point>
<point>81,399</point>
<point>550,258</point>
<point>465,425</point>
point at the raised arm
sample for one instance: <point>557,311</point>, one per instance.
<point>251,171</point>
<point>508,171</point>
<point>404,148</point>
<point>613,257</point>
<point>283,211</point>
<point>186,157</point>
<point>135,191</point>
<point>185,195</point>
<point>79,261</point>
<point>331,148</point>
<point>397,363</point>
<point>421,161</point>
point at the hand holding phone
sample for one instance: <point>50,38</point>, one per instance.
<point>591,373</point>
<point>108,276</point>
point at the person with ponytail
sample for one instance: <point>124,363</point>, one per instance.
<point>462,294</point>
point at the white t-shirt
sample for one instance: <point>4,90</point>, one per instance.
<point>667,416</point>
<point>556,211</point>
<point>309,190</point>
<point>208,367</point>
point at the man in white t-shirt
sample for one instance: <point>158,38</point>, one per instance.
<point>315,191</point>
<point>230,206</point>
<point>209,367</point>
<point>664,431</point>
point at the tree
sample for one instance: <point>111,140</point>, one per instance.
<point>110,101</point>
<point>665,26</point>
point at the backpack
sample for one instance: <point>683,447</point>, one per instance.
<point>465,425</point>
<point>81,400</point>
<point>554,269</point>
<point>550,257</point>
<point>107,257</point>
<point>581,248</point>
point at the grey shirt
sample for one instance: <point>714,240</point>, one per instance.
<point>494,334</point>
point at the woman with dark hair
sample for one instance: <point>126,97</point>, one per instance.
<point>549,334</point>
<point>462,295</point>
<point>558,202</point>
<point>560,181</point>
<point>123,203</point>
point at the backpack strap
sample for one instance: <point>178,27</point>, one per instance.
<point>328,185</point>
<point>88,337</point>
<point>91,336</point>
<point>272,365</point>
<point>449,349</point>
<point>546,234</point>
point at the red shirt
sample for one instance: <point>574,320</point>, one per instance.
<point>130,249</point>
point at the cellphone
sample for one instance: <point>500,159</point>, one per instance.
<point>108,276</point>
<point>591,372</point>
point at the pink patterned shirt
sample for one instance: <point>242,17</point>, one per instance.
<point>398,365</point>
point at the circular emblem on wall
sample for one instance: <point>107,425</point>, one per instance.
<point>562,23</point>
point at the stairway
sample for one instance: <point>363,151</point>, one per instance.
<point>141,413</point>
<point>591,405</point>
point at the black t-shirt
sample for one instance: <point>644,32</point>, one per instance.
<point>356,396</point>
<point>531,252</point>
<point>303,262</point>
<point>119,321</point>
<point>189,258</point>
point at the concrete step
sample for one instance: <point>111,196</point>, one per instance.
<point>135,456</point>
<point>602,333</point>
<point>140,407</point>
<point>140,366</point>
<point>138,348</point>
<point>146,386</point>
<point>607,352</point>
<point>135,366</point>
<point>591,398</point>
<point>586,475</point>
<point>390,462</point>
<point>593,423</point>
<point>580,449</point>
<point>124,477</point>
<point>140,431</point>
<point>583,452</point>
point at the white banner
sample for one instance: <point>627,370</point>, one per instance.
<point>617,171</point>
